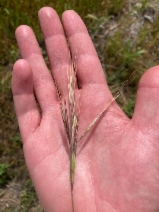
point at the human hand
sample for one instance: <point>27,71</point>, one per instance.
<point>117,163</point>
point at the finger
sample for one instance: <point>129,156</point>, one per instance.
<point>147,101</point>
<point>24,100</point>
<point>95,92</point>
<point>88,65</point>
<point>42,80</point>
<point>56,46</point>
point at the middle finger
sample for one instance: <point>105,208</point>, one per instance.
<point>56,45</point>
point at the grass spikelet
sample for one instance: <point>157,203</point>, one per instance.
<point>70,119</point>
<point>73,120</point>
<point>72,123</point>
<point>70,116</point>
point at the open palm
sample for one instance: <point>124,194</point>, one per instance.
<point>117,164</point>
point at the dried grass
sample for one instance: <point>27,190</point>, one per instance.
<point>70,116</point>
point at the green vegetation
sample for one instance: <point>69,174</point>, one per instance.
<point>28,196</point>
<point>3,174</point>
<point>15,13</point>
<point>109,23</point>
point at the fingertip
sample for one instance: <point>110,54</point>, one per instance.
<point>46,11</point>
<point>73,23</point>
<point>150,78</point>
<point>146,106</point>
<point>27,41</point>
<point>50,22</point>
<point>22,79</point>
<point>22,69</point>
<point>71,15</point>
<point>68,13</point>
<point>23,30</point>
<point>21,63</point>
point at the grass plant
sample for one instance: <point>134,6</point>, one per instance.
<point>70,116</point>
<point>28,197</point>
<point>4,177</point>
<point>70,119</point>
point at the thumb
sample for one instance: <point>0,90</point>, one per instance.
<point>147,101</point>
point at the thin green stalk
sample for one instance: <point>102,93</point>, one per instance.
<point>72,174</point>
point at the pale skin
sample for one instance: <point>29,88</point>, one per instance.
<point>117,164</point>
